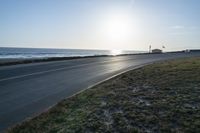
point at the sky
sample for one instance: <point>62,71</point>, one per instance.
<point>100,24</point>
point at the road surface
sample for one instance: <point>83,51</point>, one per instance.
<point>28,89</point>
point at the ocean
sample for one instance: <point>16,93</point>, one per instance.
<point>17,53</point>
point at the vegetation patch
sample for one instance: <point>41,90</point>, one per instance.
<point>163,97</point>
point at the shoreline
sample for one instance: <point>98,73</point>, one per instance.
<point>16,61</point>
<point>12,61</point>
<point>9,62</point>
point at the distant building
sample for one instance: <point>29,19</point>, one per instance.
<point>191,50</point>
<point>156,51</point>
<point>195,50</point>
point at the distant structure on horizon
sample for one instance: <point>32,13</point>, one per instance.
<point>194,50</point>
<point>191,50</point>
<point>149,48</point>
<point>156,51</point>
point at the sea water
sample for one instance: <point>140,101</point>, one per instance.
<point>12,53</point>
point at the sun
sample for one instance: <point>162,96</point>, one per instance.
<point>118,27</point>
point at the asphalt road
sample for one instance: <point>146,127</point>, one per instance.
<point>28,89</point>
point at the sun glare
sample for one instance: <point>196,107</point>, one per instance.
<point>116,52</point>
<point>118,27</point>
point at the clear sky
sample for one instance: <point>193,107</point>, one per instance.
<point>100,24</point>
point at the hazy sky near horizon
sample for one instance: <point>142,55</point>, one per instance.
<point>100,24</point>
